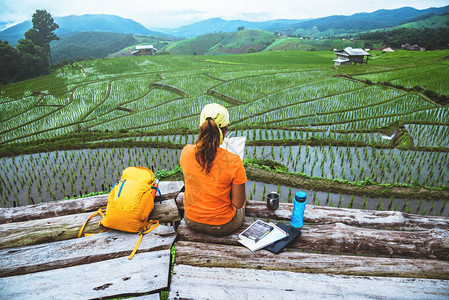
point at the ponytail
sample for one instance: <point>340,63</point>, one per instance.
<point>207,144</point>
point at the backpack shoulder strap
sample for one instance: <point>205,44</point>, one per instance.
<point>152,224</point>
<point>155,188</point>
<point>100,211</point>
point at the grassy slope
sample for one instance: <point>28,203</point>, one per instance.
<point>197,45</point>
<point>292,43</point>
<point>245,41</point>
<point>396,60</point>
<point>280,58</point>
<point>321,59</point>
<point>223,43</point>
<point>53,84</point>
<point>315,33</point>
<point>289,43</point>
<point>431,22</point>
<point>241,41</point>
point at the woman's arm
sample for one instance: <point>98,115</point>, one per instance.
<point>238,195</point>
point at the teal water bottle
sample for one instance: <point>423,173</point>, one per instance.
<point>298,209</point>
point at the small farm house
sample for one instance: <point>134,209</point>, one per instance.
<point>409,47</point>
<point>349,55</point>
<point>388,49</point>
<point>144,50</point>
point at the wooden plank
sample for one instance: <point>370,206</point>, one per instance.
<point>51,209</point>
<point>146,297</point>
<point>341,238</point>
<point>145,273</point>
<point>103,246</point>
<point>67,227</point>
<point>189,282</point>
<point>393,220</point>
<point>225,256</point>
<point>169,190</point>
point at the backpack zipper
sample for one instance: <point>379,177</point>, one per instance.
<point>121,187</point>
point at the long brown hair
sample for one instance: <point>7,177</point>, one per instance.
<point>207,144</point>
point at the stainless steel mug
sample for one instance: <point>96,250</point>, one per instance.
<point>273,200</point>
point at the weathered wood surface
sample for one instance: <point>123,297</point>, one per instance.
<point>393,220</point>
<point>103,246</point>
<point>225,256</point>
<point>146,297</point>
<point>341,238</point>
<point>67,227</point>
<point>355,217</point>
<point>145,273</point>
<point>169,190</point>
<point>189,282</point>
<point>408,255</point>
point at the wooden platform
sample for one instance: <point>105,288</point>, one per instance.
<point>341,254</point>
<point>41,258</point>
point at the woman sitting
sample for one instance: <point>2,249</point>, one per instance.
<point>214,178</point>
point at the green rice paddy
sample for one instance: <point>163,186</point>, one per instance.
<point>72,132</point>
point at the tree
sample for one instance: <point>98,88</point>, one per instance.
<point>9,64</point>
<point>240,28</point>
<point>32,56</point>
<point>42,32</point>
<point>33,59</point>
<point>34,36</point>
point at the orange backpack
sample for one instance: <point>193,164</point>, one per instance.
<point>130,202</point>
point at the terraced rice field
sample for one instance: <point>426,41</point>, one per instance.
<point>142,110</point>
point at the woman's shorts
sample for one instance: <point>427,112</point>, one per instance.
<point>224,229</point>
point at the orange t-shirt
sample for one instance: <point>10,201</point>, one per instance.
<point>207,197</point>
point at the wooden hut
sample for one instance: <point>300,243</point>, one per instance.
<point>144,50</point>
<point>350,55</point>
<point>388,49</point>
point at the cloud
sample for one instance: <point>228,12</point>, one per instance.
<point>173,19</point>
<point>256,17</point>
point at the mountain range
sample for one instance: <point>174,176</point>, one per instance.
<point>220,25</point>
<point>325,26</point>
<point>320,27</point>
<point>102,35</point>
<point>73,23</point>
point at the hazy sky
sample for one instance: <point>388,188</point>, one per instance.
<point>174,13</point>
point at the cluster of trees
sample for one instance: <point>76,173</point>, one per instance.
<point>32,56</point>
<point>429,38</point>
<point>90,45</point>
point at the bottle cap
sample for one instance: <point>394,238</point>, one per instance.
<point>300,196</point>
